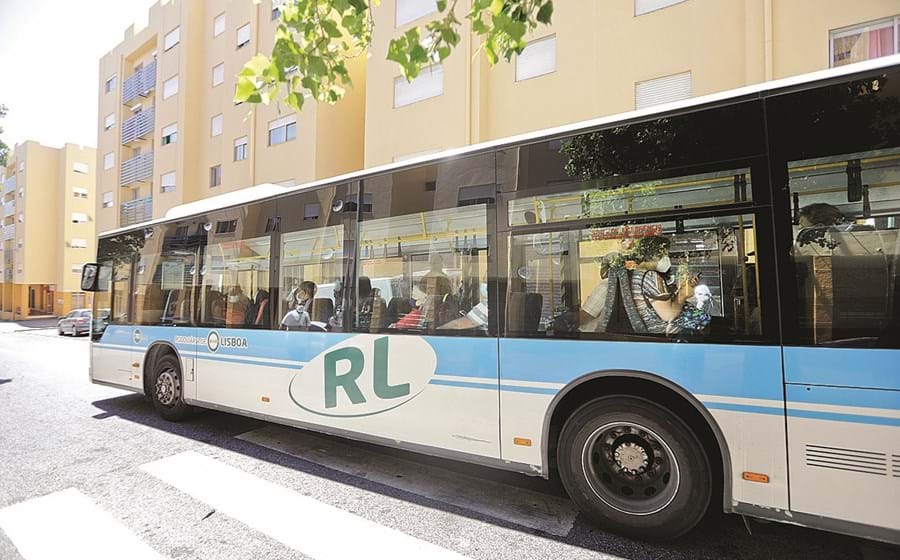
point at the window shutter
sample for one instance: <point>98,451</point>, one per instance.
<point>430,83</point>
<point>538,58</point>
<point>662,90</point>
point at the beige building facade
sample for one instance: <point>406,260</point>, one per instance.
<point>603,58</point>
<point>48,228</point>
<point>169,132</point>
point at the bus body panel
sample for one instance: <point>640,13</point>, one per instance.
<point>844,448</point>
<point>113,357</point>
<point>749,409</point>
<point>453,405</point>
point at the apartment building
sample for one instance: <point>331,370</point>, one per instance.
<point>169,132</point>
<point>48,229</point>
<point>602,58</point>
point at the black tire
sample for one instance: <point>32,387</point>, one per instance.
<point>167,389</point>
<point>634,468</point>
<point>59,332</point>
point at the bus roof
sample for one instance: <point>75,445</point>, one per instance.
<point>269,190</point>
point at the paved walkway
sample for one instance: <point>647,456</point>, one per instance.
<point>28,324</point>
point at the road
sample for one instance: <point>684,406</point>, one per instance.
<point>92,472</point>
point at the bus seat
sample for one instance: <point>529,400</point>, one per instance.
<point>398,308</point>
<point>620,314</point>
<point>524,311</point>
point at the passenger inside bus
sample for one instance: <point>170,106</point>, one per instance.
<point>236,309</point>
<point>300,314</point>
<point>257,314</point>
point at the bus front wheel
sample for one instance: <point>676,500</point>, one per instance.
<point>166,389</point>
<point>635,468</point>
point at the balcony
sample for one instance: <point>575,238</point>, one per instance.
<point>138,126</point>
<point>136,169</point>
<point>9,209</point>
<point>140,83</point>
<point>9,232</point>
<point>136,211</point>
<point>9,185</point>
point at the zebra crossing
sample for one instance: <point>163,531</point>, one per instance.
<point>71,524</point>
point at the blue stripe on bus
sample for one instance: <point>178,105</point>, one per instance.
<point>709,369</point>
<point>745,408</point>
<point>839,417</point>
<point>873,368</point>
<point>467,384</point>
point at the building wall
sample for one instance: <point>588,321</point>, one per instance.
<point>196,150</point>
<point>603,51</point>
<point>39,253</point>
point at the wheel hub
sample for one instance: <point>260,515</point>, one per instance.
<point>631,458</point>
<point>167,387</point>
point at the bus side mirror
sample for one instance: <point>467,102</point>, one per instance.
<point>90,277</point>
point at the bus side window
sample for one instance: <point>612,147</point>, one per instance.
<point>846,252</point>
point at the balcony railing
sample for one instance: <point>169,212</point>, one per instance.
<point>9,185</point>
<point>140,83</point>
<point>9,209</point>
<point>136,211</point>
<point>9,232</point>
<point>138,126</point>
<point>137,168</point>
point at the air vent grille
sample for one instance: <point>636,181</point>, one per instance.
<point>895,465</point>
<point>853,460</point>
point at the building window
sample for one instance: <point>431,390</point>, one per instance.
<point>111,83</point>
<point>662,90</point>
<point>79,167</point>
<point>218,74</point>
<point>109,160</point>
<point>109,121</point>
<point>865,41</point>
<point>241,149</point>
<point>170,134</point>
<point>108,199</point>
<point>79,218</point>
<point>215,175</point>
<point>21,217</point>
<point>219,25</point>
<point>80,192</point>
<point>172,38</point>
<point>78,243</point>
<point>538,58</point>
<point>167,182</point>
<point>215,125</point>
<point>243,36</point>
<point>411,10</point>
<point>226,226</point>
<point>642,7</point>
<point>430,83</point>
<point>312,211</point>
<point>19,243</point>
<point>283,130</point>
<point>277,5</point>
<point>170,87</point>
<point>21,166</point>
<point>22,193</point>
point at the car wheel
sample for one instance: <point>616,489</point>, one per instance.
<point>635,468</point>
<point>166,389</point>
<point>59,331</point>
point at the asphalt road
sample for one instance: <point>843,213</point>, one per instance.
<point>93,472</point>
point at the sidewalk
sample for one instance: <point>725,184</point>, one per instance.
<point>28,324</point>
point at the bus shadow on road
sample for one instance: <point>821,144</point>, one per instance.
<point>511,501</point>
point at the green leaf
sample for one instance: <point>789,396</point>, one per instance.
<point>545,14</point>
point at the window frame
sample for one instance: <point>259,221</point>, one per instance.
<point>220,118</point>
<point>215,175</point>
<point>545,72</point>
<point>108,203</point>
<point>216,30</point>
<point>109,161</point>
<point>109,121</point>
<point>242,148</point>
<point>241,44</point>
<point>165,187</point>
<point>220,67</point>
<point>169,42</point>
<point>171,137</point>
<point>166,93</point>
<point>401,84</point>
<point>872,25</point>
<point>111,83</point>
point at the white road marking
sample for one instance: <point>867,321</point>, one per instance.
<point>314,528</point>
<point>69,525</point>
<point>543,512</point>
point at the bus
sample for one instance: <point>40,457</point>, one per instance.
<point>680,308</point>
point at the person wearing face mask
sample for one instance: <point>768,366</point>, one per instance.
<point>659,309</point>
<point>236,307</point>
<point>299,317</point>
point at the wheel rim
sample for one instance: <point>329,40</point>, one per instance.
<point>168,387</point>
<point>630,468</point>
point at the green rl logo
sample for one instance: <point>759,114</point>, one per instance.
<point>364,375</point>
<point>348,380</point>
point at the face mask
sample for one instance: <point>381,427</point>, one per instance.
<point>663,265</point>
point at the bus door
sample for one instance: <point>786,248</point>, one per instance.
<point>840,217</point>
<point>113,346</point>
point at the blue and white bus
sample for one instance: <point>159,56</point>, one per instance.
<point>673,309</point>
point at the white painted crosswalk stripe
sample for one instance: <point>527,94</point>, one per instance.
<point>300,522</point>
<point>551,514</point>
<point>69,525</point>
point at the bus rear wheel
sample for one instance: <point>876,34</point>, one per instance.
<point>635,468</point>
<point>166,389</point>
